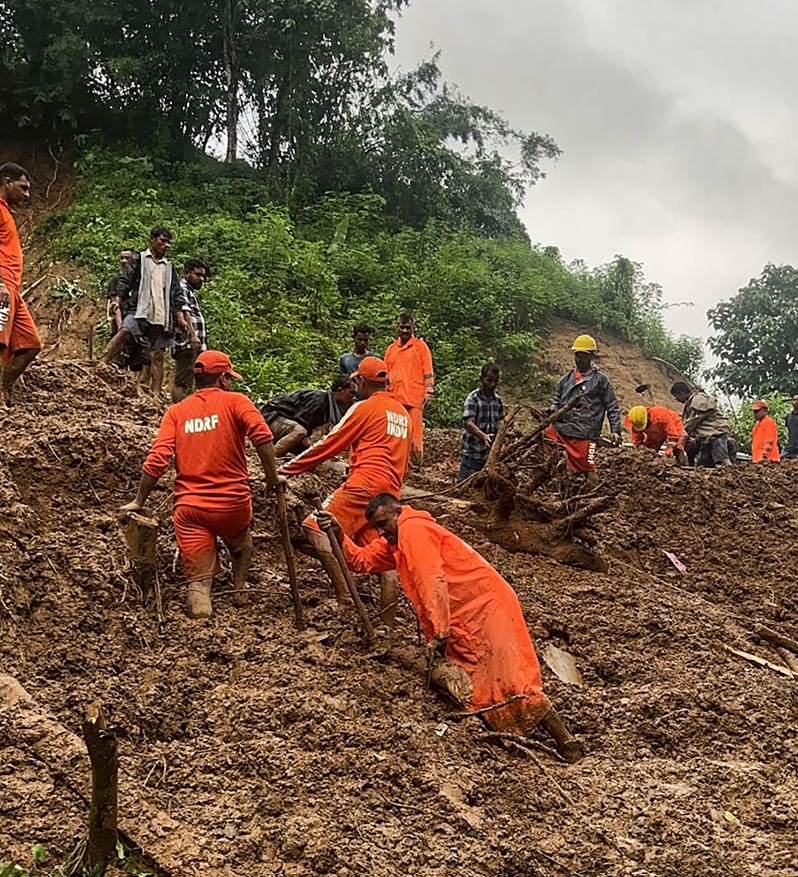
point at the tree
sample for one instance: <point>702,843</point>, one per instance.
<point>756,335</point>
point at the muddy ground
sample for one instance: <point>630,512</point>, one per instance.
<point>247,749</point>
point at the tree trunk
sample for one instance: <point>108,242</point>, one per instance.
<point>231,72</point>
<point>141,535</point>
<point>104,809</point>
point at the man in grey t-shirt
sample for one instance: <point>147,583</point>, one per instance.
<point>349,363</point>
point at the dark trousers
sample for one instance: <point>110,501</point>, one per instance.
<point>468,466</point>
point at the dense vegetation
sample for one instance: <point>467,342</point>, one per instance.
<point>346,193</point>
<point>285,292</point>
<point>756,335</point>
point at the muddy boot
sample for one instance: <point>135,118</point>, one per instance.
<point>567,745</point>
<point>199,599</point>
<point>240,596</point>
<point>592,480</point>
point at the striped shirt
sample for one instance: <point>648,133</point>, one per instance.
<point>487,413</point>
<point>194,312</point>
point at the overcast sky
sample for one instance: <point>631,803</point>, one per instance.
<point>678,121</point>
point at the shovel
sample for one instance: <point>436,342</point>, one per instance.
<point>645,389</point>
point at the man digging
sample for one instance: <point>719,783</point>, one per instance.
<point>379,433</point>
<point>467,613</point>
<point>206,434</point>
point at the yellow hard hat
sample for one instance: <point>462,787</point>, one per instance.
<point>584,344</point>
<point>638,416</point>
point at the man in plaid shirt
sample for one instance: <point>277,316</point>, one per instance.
<point>190,344</point>
<point>482,413</point>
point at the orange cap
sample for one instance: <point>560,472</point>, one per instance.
<point>214,362</point>
<point>759,405</point>
<point>373,369</point>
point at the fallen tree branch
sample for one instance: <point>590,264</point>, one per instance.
<point>789,659</point>
<point>527,440</point>
<point>776,639</point>
<point>760,662</point>
<point>501,435</point>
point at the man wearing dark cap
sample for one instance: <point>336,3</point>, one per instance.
<point>206,434</point>
<point>379,432</point>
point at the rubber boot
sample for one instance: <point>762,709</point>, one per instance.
<point>567,745</point>
<point>199,599</point>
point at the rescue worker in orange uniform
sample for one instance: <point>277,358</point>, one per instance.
<point>19,341</point>
<point>654,426</point>
<point>206,434</point>
<point>467,613</point>
<point>764,435</point>
<point>379,432</point>
<point>411,379</point>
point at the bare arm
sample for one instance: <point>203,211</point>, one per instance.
<point>470,425</point>
<point>146,485</point>
<point>267,459</point>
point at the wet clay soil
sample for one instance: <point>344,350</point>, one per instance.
<point>251,750</point>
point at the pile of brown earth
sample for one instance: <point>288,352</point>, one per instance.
<point>247,748</point>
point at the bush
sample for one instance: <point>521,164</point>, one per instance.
<point>285,291</point>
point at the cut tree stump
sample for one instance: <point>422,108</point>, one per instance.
<point>141,536</point>
<point>64,756</point>
<point>104,809</point>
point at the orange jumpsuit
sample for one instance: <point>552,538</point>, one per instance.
<point>20,330</point>
<point>665,428</point>
<point>457,594</point>
<point>379,432</point>
<point>765,441</point>
<point>410,379</point>
<point>206,435</point>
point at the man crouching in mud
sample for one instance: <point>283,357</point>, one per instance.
<point>468,613</point>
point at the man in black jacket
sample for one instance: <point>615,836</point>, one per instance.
<point>578,430</point>
<point>294,416</point>
<point>151,298</point>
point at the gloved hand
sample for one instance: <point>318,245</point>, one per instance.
<point>616,439</point>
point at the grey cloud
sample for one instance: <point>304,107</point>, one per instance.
<point>675,119</point>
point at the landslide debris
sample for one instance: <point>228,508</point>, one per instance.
<point>262,752</point>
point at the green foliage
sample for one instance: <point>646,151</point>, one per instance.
<point>285,290</point>
<point>9,869</point>
<point>303,84</point>
<point>756,335</point>
<point>742,419</point>
<point>618,297</point>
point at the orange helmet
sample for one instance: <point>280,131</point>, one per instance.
<point>759,405</point>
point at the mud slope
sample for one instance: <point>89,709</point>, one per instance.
<point>254,751</point>
<point>625,364</point>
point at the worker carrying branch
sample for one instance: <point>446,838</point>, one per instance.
<point>467,612</point>
<point>654,426</point>
<point>206,434</point>
<point>578,430</point>
<point>764,435</point>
